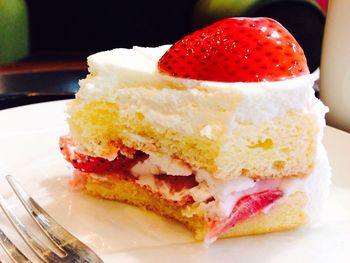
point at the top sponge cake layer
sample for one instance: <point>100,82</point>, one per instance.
<point>228,129</point>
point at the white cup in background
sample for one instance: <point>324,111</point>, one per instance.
<point>335,64</point>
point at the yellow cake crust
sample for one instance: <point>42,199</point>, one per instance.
<point>283,216</point>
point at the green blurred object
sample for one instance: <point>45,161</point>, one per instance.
<point>14,36</point>
<point>208,11</point>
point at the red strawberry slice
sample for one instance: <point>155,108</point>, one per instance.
<point>177,182</point>
<point>236,50</point>
<point>246,207</point>
<point>91,164</point>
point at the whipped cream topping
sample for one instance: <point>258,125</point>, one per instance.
<point>123,72</point>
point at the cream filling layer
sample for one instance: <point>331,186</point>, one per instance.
<point>227,192</point>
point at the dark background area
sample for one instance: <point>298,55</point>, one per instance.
<point>91,26</point>
<point>76,28</point>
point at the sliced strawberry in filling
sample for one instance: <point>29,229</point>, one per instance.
<point>119,167</point>
<point>178,183</point>
<point>246,207</point>
<point>90,164</point>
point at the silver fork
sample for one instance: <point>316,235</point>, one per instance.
<point>73,250</point>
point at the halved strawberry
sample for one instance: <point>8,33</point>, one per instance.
<point>245,207</point>
<point>236,50</point>
<point>91,164</point>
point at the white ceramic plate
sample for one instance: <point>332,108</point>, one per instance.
<point>121,233</point>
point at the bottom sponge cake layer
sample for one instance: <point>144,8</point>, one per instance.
<point>282,216</point>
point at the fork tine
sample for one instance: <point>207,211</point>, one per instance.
<point>38,248</point>
<point>11,250</point>
<point>68,243</point>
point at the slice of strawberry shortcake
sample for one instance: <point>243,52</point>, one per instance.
<point>220,131</point>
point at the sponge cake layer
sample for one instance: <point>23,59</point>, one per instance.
<point>229,129</point>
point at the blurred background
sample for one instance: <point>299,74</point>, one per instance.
<point>44,44</point>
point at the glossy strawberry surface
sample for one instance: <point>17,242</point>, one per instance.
<point>236,50</point>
